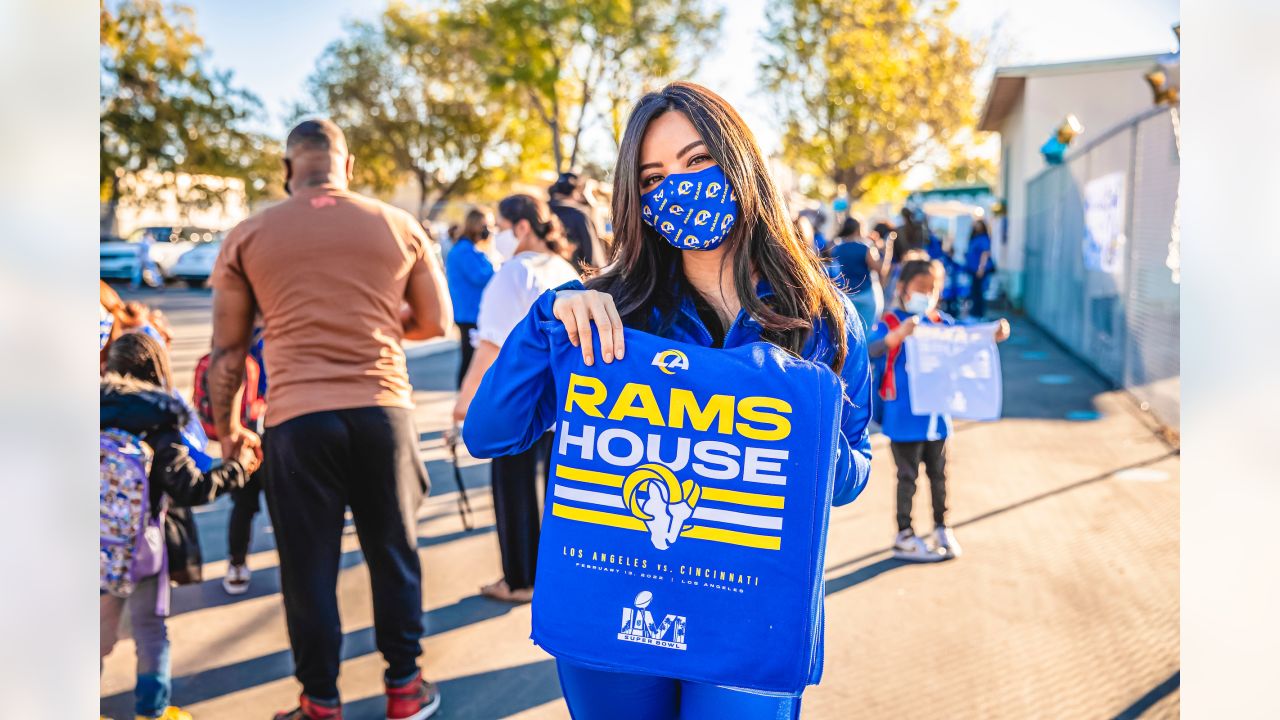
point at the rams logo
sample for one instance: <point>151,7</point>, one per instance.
<point>684,187</point>
<point>668,361</point>
<point>655,497</point>
<point>702,218</point>
<point>713,190</point>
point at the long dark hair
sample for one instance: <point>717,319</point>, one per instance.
<point>539,216</point>
<point>141,357</point>
<point>644,271</point>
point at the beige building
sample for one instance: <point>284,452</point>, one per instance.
<point>1027,103</point>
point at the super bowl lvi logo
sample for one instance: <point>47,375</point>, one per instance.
<point>655,497</point>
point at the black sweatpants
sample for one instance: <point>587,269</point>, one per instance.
<point>321,463</point>
<point>908,456</point>
<point>468,352</point>
<point>244,505</point>
<point>514,480</point>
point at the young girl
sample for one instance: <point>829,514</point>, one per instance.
<point>136,396</point>
<point>750,280</point>
<point>915,438</point>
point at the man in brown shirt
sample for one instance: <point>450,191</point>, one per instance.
<point>331,272</point>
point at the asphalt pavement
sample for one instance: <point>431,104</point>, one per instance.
<point>1064,605</point>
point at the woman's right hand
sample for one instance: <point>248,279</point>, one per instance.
<point>577,309</point>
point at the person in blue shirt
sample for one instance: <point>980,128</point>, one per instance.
<point>468,269</point>
<point>915,438</point>
<point>860,268</point>
<point>979,262</point>
<point>746,278</point>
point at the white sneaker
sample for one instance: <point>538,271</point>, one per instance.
<point>236,581</point>
<point>944,540</point>
<point>908,546</point>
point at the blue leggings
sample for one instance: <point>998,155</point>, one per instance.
<point>600,695</point>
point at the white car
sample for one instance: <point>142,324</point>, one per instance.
<point>196,264</point>
<point>119,259</point>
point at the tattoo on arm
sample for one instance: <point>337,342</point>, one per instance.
<point>226,377</point>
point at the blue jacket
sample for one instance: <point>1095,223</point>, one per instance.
<point>520,385</point>
<point>468,270</point>
<point>899,423</point>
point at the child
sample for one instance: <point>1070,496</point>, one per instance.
<point>245,501</point>
<point>915,438</point>
<point>136,397</point>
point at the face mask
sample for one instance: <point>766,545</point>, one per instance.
<point>505,243</point>
<point>692,211</point>
<point>918,304</point>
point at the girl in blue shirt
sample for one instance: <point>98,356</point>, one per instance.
<point>743,275</point>
<point>979,263</point>
<point>915,438</point>
<point>468,268</point>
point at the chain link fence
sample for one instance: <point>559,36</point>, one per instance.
<point>1102,257</point>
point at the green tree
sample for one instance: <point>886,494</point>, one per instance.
<point>577,62</point>
<point>162,110</point>
<point>866,88</point>
<point>413,104</point>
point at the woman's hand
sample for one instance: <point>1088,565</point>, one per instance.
<point>1003,330</point>
<point>577,309</point>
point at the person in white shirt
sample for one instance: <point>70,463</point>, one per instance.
<point>534,249</point>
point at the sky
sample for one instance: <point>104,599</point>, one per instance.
<point>272,46</point>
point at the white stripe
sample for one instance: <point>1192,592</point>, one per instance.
<point>737,518</point>
<point>589,496</point>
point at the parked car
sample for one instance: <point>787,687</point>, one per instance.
<point>119,259</point>
<point>196,264</point>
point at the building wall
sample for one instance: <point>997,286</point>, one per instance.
<point>1100,99</point>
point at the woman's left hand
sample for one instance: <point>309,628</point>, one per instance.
<point>1003,330</point>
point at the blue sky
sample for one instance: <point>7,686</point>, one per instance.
<point>272,46</point>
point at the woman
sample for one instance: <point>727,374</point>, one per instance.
<point>978,263</point>
<point>539,263</point>
<point>468,269</point>
<point>754,280</point>
<point>861,266</point>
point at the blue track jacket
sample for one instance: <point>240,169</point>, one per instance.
<point>516,401</point>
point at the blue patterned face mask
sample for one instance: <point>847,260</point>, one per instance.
<point>693,211</point>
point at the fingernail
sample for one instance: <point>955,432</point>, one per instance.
<point>608,357</point>
<point>589,361</point>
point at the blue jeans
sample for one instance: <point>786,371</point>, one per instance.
<point>600,695</point>
<point>154,685</point>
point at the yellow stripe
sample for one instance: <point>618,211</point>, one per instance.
<point>589,476</point>
<point>625,522</point>
<point>742,498</point>
<point>735,497</point>
<point>733,537</point>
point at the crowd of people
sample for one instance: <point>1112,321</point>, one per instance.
<point>319,292</point>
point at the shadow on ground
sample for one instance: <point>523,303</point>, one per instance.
<point>235,677</point>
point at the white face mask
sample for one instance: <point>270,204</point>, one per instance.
<point>918,303</point>
<point>505,243</point>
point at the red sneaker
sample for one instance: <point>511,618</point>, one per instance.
<point>309,709</point>
<point>414,700</point>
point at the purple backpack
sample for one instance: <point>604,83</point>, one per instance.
<point>131,540</point>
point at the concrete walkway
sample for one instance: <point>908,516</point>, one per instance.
<point>1065,604</point>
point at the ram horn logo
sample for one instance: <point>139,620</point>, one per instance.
<point>702,218</point>
<point>655,497</point>
<point>684,187</point>
<point>713,190</point>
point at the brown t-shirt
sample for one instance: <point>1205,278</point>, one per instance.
<point>328,270</point>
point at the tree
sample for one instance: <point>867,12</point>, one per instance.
<point>867,87</point>
<point>163,110</point>
<point>413,103</point>
<point>966,168</point>
<point>577,62</point>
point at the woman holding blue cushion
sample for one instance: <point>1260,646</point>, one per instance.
<point>704,254</point>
